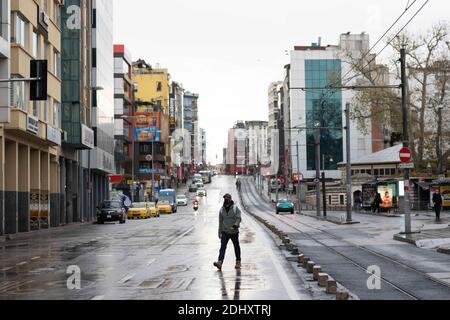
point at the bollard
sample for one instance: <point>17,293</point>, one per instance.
<point>305,262</point>
<point>295,251</point>
<point>300,258</point>
<point>316,271</point>
<point>289,246</point>
<point>286,240</point>
<point>323,279</point>
<point>342,295</point>
<point>309,266</point>
<point>331,286</point>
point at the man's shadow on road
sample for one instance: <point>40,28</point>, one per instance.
<point>237,286</point>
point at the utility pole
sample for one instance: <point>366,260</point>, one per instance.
<point>348,165</point>
<point>324,194</point>
<point>318,132</point>
<point>299,190</point>
<point>404,86</point>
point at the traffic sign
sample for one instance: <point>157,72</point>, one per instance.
<point>409,165</point>
<point>405,155</point>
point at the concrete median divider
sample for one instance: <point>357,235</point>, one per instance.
<point>305,262</point>
<point>323,279</point>
<point>331,286</point>
<point>310,266</point>
<point>342,295</point>
<point>316,271</point>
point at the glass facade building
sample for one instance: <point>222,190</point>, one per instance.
<point>324,107</point>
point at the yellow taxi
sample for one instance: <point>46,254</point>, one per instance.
<point>153,210</point>
<point>139,210</point>
<point>164,207</point>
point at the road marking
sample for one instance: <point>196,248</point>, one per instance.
<point>151,262</point>
<point>127,278</point>
<point>98,298</point>
<point>22,263</point>
<point>35,258</point>
<point>181,236</point>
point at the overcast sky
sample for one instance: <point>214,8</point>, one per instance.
<point>230,51</point>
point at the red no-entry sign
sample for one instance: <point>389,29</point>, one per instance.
<point>405,155</point>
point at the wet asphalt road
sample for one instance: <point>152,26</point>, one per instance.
<point>162,258</point>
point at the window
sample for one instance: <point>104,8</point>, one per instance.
<point>35,110</point>
<point>18,97</point>
<point>45,115</point>
<point>57,64</point>
<point>393,172</point>
<point>159,86</point>
<point>376,172</point>
<point>56,13</point>
<point>35,45</point>
<point>20,31</point>
<point>369,172</point>
<point>382,172</point>
<point>55,114</point>
<point>46,50</point>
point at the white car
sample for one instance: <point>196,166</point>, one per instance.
<point>202,193</point>
<point>182,200</point>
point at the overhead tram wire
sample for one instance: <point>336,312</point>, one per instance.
<point>330,86</point>
<point>390,41</point>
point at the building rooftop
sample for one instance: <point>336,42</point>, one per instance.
<point>390,155</point>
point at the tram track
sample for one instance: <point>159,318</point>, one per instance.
<point>256,201</point>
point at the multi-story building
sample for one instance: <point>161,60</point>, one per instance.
<point>285,163</point>
<point>76,117</point>
<point>236,157</point>
<point>177,123</point>
<point>315,67</point>
<point>257,151</point>
<point>151,125</point>
<point>190,106</point>
<point>123,117</point>
<point>203,147</point>
<point>5,111</point>
<point>100,160</point>
<point>30,135</point>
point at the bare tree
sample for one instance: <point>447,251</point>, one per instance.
<point>428,89</point>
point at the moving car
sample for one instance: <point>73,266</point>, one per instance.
<point>111,211</point>
<point>285,205</point>
<point>139,210</point>
<point>193,187</point>
<point>202,193</point>
<point>200,185</point>
<point>164,206</point>
<point>169,195</point>
<point>153,210</point>
<point>182,200</point>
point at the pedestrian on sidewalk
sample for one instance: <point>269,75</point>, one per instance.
<point>376,203</point>
<point>229,224</point>
<point>437,200</point>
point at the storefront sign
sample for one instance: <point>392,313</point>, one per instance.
<point>445,192</point>
<point>87,137</point>
<point>53,135</point>
<point>32,124</point>
<point>147,135</point>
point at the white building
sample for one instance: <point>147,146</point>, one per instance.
<point>315,67</point>
<point>258,153</point>
<point>5,72</point>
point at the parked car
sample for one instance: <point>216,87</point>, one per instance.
<point>285,205</point>
<point>200,185</point>
<point>182,200</point>
<point>111,211</point>
<point>164,206</point>
<point>139,210</point>
<point>202,193</point>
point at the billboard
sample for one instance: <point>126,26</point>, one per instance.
<point>388,196</point>
<point>445,192</point>
<point>147,119</point>
<point>147,134</point>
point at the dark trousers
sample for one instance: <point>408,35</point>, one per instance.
<point>237,248</point>
<point>437,209</point>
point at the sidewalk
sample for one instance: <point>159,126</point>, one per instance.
<point>429,234</point>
